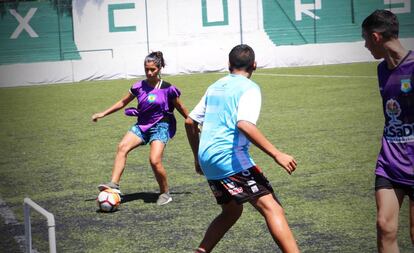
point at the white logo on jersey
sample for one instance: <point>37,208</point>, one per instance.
<point>393,110</point>
<point>395,131</point>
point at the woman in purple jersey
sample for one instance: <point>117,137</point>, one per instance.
<point>156,123</point>
<point>395,164</point>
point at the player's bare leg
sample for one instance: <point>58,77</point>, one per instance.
<point>276,222</point>
<point>128,143</point>
<point>156,152</point>
<point>230,213</point>
<point>388,207</point>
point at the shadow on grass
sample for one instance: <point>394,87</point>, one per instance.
<point>147,197</point>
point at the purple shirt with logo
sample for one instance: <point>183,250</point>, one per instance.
<point>396,158</point>
<point>155,104</point>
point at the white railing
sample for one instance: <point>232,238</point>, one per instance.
<point>28,203</point>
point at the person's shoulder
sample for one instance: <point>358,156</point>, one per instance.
<point>166,85</point>
<point>223,79</point>
<point>410,57</point>
<point>244,80</point>
<point>219,82</point>
<point>382,66</point>
<point>249,83</point>
<point>170,89</point>
<point>137,84</point>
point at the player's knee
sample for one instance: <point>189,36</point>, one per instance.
<point>155,162</point>
<point>123,148</point>
<point>387,227</point>
<point>271,208</point>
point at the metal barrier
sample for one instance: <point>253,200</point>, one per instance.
<point>28,203</point>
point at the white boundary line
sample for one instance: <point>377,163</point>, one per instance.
<point>224,73</point>
<point>283,75</point>
<point>7,214</point>
<point>315,76</point>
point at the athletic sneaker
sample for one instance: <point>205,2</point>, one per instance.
<point>164,198</point>
<point>110,185</point>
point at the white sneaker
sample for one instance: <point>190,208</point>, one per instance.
<point>164,198</point>
<point>110,185</point>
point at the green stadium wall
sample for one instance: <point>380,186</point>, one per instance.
<point>109,39</point>
<point>296,22</point>
<point>34,32</point>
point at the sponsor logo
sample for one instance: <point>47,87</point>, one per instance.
<point>395,131</point>
<point>231,187</point>
<point>235,191</point>
<point>393,110</point>
<point>406,85</point>
<point>229,184</point>
<point>251,182</point>
<point>254,188</point>
<point>246,173</point>
<point>399,133</point>
<point>151,98</point>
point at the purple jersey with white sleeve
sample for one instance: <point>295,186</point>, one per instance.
<point>396,158</point>
<point>155,104</point>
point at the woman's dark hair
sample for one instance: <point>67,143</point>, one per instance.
<point>241,57</point>
<point>382,21</point>
<point>157,58</point>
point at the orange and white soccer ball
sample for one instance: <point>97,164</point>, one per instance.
<point>108,200</point>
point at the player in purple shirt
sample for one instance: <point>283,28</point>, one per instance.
<point>395,164</point>
<point>156,123</point>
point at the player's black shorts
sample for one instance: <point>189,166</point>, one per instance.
<point>385,183</point>
<point>241,187</point>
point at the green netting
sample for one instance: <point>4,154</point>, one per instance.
<point>34,32</point>
<point>339,21</point>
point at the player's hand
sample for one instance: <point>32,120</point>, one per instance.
<point>287,162</point>
<point>97,116</point>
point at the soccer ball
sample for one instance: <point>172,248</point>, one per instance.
<point>108,200</point>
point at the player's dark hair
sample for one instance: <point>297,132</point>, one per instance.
<point>241,57</point>
<point>157,58</point>
<point>382,21</point>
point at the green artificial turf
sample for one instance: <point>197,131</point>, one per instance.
<point>53,153</point>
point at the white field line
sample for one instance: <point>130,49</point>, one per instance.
<point>7,214</point>
<point>10,219</point>
<point>282,75</point>
<point>315,76</point>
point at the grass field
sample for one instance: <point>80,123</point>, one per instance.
<point>332,123</point>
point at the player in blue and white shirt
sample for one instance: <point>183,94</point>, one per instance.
<point>227,113</point>
<point>223,149</point>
